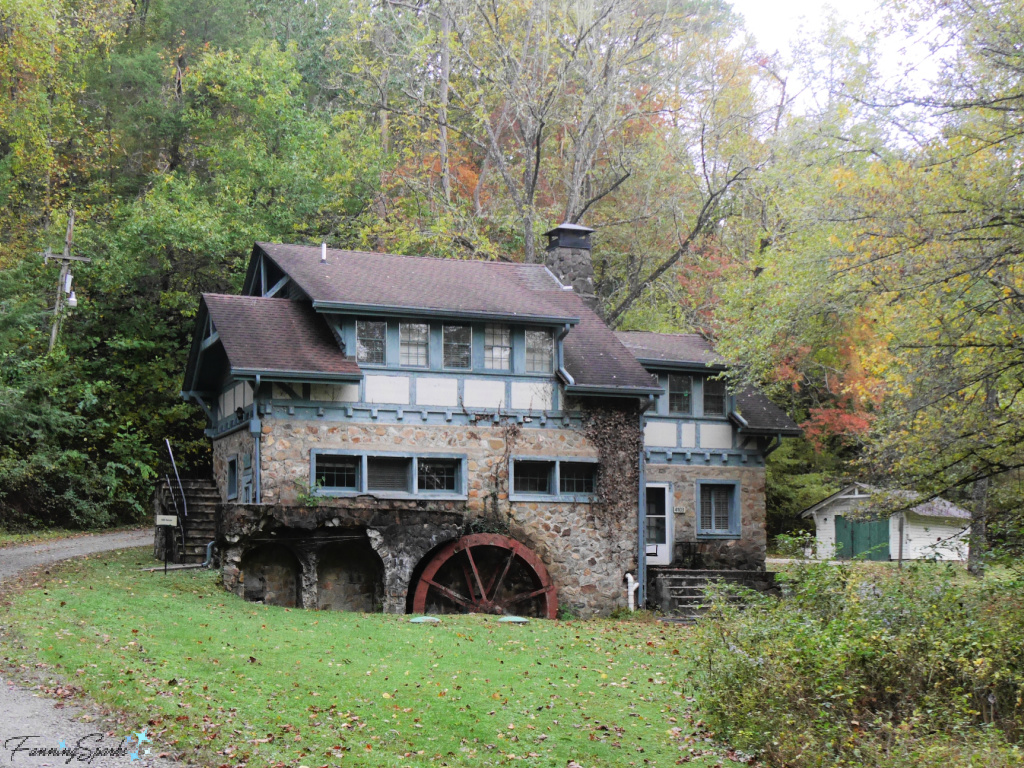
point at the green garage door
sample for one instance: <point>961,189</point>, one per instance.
<point>868,539</point>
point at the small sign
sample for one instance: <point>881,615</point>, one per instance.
<point>166,519</point>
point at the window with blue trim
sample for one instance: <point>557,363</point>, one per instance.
<point>337,472</point>
<point>560,480</point>
<point>717,509</point>
<point>714,397</point>
<point>371,341</point>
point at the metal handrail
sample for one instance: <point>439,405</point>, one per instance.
<point>181,489</point>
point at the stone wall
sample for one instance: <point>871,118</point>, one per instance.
<point>586,547</point>
<point>744,553</point>
<point>224,448</point>
<point>575,267</point>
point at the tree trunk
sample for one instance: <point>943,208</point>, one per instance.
<point>442,110</point>
<point>978,541</point>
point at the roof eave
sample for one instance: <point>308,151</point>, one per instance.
<point>270,374</point>
<point>376,310</point>
<point>679,365</point>
<point>595,389</point>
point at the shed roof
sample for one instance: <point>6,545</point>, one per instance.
<point>934,507</point>
<point>671,348</point>
<point>267,335</point>
<point>362,281</point>
<point>759,415</point>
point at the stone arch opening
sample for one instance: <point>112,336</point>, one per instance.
<point>350,577</point>
<point>418,571</point>
<point>271,574</point>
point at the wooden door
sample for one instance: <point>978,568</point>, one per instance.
<point>865,539</point>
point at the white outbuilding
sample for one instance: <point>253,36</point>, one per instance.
<point>846,527</point>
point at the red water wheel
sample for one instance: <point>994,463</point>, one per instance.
<point>486,573</point>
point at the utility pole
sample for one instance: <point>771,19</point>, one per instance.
<point>64,281</point>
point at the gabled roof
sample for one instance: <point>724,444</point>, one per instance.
<point>383,283</point>
<point>671,349</point>
<point>276,336</point>
<point>935,507</point>
<point>755,414</point>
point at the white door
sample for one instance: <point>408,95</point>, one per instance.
<point>658,528</point>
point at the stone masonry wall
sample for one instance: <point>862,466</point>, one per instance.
<point>744,553</point>
<point>586,550</point>
<point>223,449</point>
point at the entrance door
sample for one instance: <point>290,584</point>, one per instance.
<point>658,538</point>
<point>868,539</point>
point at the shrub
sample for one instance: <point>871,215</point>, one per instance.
<point>861,667</point>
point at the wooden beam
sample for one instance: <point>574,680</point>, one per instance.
<point>209,341</point>
<point>277,286</point>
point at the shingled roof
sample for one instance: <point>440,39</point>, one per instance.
<point>759,415</point>
<point>261,335</point>
<point>671,348</point>
<point>361,281</point>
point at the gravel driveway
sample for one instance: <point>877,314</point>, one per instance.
<point>65,734</point>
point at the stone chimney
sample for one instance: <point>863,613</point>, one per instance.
<point>568,257</point>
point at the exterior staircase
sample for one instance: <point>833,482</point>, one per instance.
<point>196,529</point>
<point>681,593</point>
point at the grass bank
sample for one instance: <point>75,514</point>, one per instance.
<point>236,684</point>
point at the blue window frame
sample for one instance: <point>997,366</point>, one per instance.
<point>552,479</point>
<point>718,509</point>
<point>394,475</point>
<point>233,477</point>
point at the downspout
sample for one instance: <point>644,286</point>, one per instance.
<point>566,376</point>
<point>641,559</point>
<point>257,438</point>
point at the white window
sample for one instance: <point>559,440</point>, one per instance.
<point>458,346</point>
<point>413,344</point>
<point>371,341</point>
<point>497,347</point>
<point>539,351</point>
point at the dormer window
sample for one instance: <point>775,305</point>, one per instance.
<point>539,351</point>
<point>497,347</point>
<point>371,342</point>
<point>714,397</point>
<point>458,346</point>
<point>413,344</point>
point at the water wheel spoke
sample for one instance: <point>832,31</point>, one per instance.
<point>451,594</point>
<point>469,580</point>
<point>476,573</point>
<point>528,595</point>
<point>496,580</point>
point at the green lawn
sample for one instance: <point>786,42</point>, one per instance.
<point>252,685</point>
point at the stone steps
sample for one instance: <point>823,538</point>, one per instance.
<point>200,524</point>
<point>682,594</point>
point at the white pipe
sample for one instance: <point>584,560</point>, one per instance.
<point>323,253</point>
<point>632,585</point>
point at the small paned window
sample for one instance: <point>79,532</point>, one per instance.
<point>387,474</point>
<point>539,351</point>
<point>714,397</point>
<point>371,341</point>
<point>680,389</point>
<point>533,476</point>
<point>233,478</point>
<point>337,472</point>
<point>656,520</point>
<point>497,347</point>
<point>413,344</point>
<point>458,346</point>
<point>576,477</point>
<point>716,508</point>
<point>438,474</point>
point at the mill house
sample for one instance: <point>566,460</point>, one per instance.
<point>410,434</point>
